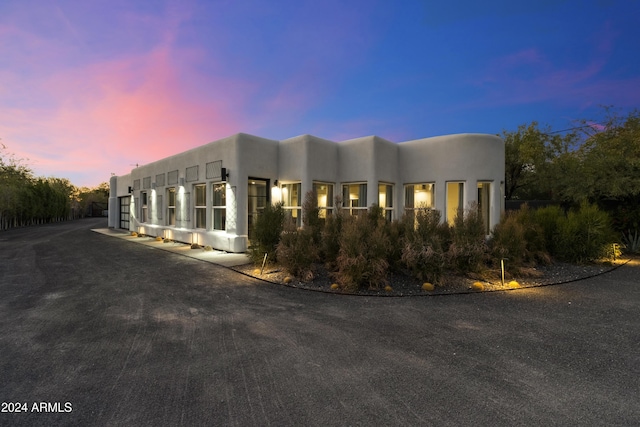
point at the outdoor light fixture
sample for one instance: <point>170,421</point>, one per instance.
<point>224,173</point>
<point>275,183</point>
<point>153,185</point>
<point>130,189</point>
<point>181,182</point>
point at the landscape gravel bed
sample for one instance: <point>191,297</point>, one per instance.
<point>405,285</point>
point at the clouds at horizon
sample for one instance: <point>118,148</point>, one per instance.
<point>87,90</point>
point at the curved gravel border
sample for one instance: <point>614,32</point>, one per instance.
<point>569,278</point>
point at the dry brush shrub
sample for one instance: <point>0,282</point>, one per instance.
<point>468,250</point>
<point>267,231</point>
<point>424,248</point>
<point>330,235</point>
<point>297,251</point>
<point>364,248</point>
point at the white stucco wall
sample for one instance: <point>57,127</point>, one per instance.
<point>467,158</point>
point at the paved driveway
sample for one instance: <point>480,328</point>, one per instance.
<point>98,331</point>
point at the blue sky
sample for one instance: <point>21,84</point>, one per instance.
<point>90,88</point>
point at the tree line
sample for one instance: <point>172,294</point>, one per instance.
<point>29,200</point>
<point>595,161</point>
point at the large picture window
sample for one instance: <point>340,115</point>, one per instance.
<point>354,198</point>
<point>324,194</point>
<point>385,200</point>
<point>292,201</point>
<point>455,200</point>
<point>419,197</point>
<point>219,206</point>
<point>171,206</point>
<point>201,206</point>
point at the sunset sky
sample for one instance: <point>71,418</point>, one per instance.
<point>90,87</point>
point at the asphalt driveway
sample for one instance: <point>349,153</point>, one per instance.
<point>98,331</point>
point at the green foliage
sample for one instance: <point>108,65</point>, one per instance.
<point>364,248</point>
<point>267,231</point>
<point>297,251</point>
<point>584,234</point>
<point>631,241</point>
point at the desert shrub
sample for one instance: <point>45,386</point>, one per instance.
<point>508,240</point>
<point>296,252</point>
<point>311,216</point>
<point>364,248</point>
<point>330,235</point>
<point>398,231</point>
<point>631,241</point>
<point>520,238</point>
<point>425,245</point>
<point>468,249</point>
<point>547,219</point>
<point>584,234</point>
<point>267,231</point>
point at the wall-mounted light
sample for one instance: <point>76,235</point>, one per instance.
<point>224,173</point>
<point>153,185</point>
<point>275,183</point>
<point>130,189</point>
<point>181,182</point>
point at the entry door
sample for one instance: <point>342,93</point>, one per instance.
<point>257,200</point>
<point>125,209</point>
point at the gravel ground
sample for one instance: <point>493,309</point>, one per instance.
<point>404,285</point>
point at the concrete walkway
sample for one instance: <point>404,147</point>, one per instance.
<point>225,259</point>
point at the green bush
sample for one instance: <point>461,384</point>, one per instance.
<point>425,245</point>
<point>547,219</point>
<point>584,234</point>
<point>297,251</point>
<point>364,249</point>
<point>267,231</point>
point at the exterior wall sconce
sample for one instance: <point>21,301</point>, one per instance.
<point>275,183</point>
<point>181,182</point>
<point>130,189</point>
<point>224,173</point>
<point>153,186</point>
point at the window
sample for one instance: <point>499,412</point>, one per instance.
<point>201,206</point>
<point>158,206</point>
<point>324,193</point>
<point>385,200</point>
<point>455,200</point>
<point>354,198</point>
<point>292,201</point>
<point>418,197</point>
<point>144,206</point>
<point>219,206</point>
<point>171,206</point>
<point>484,204</point>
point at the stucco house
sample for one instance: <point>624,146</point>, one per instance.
<point>212,194</point>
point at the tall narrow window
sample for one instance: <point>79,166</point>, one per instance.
<point>171,206</point>
<point>292,201</point>
<point>201,206</point>
<point>219,206</point>
<point>455,200</point>
<point>484,204</point>
<point>144,206</point>
<point>354,198</point>
<point>385,200</point>
<point>324,193</point>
